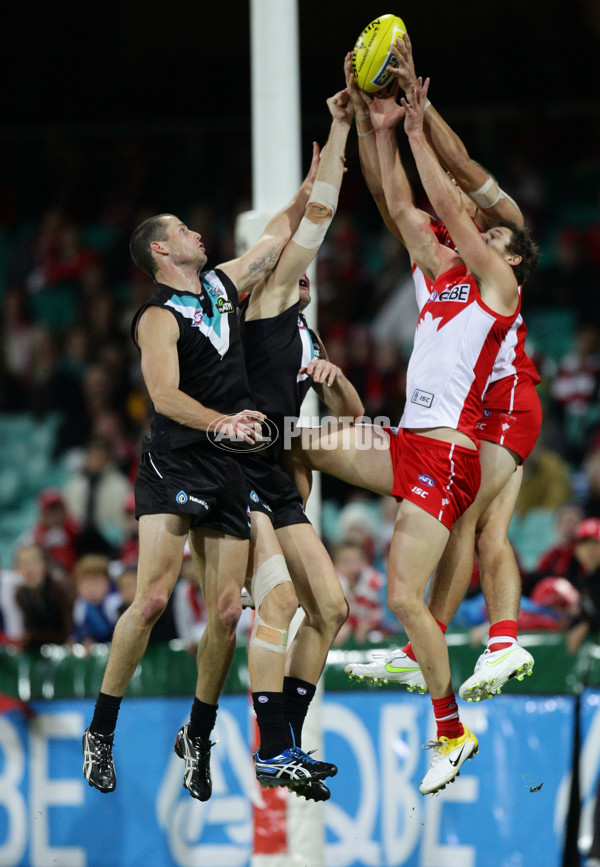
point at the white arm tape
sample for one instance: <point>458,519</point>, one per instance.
<point>324,193</point>
<point>486,196</point>
<point>310,235</point>
<point>268,575</point>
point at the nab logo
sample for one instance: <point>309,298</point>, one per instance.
<point>459,293</point>
<point>427,480</point>
<point>224,306</point>
<point>420,492</point>
<point>198,317</point>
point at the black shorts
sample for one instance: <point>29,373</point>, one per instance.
<point>196,480</point>
<point>271,491</point>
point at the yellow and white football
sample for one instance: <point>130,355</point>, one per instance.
<point>373,52</point>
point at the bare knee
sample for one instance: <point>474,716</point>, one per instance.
<point>228,616</point>
<point>403,603</point>
<point>328,616</point>
<point>279,606</point>
<point>490,540</point>
<point>151,606</point>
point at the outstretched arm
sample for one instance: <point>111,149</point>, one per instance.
<point>493,204</point>
<point>281,289</point>
<point>367,146</point>
<point>413,225</point>
<point>493,274</point>
<point>258,262</point>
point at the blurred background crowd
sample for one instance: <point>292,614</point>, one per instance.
<point>73,407</point>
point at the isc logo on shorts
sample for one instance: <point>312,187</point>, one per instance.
<point>458,293</point>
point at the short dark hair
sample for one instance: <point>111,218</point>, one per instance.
<point>152,229</point>
<point>522,244</point>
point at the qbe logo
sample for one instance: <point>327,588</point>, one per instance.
<point>182,498</point>
<point>427,480</point>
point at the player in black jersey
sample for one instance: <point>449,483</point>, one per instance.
<point>283,359</point>
<point>192,363</point>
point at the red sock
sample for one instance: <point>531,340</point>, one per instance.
<point>446,717</point>
<point>408,649</point>
<point>502,634</point>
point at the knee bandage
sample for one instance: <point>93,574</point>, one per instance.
<point>309,234</point>
<point>268,637</point>
<point>269,575</point>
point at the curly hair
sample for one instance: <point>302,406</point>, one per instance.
<point>521,244</point>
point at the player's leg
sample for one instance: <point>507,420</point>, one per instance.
<point>357,454</point>
<point>279,760</point>
<point>451,579</point>
<point>417,544</point>
<point>503,658</point>
<point>325,610</point>
<point>220,560</point>
<point>162,538</point>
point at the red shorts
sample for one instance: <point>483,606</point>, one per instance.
<point>512,415</point>
<point>442,478</point>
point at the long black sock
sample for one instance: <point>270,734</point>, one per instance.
<point>275,734</point>
<point>106,712</point>
<point>298,695</point>
<point>202,719</point>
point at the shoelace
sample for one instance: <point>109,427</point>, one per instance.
<point>481,661</point>
<point>305,757</point>
<point>103,753</point>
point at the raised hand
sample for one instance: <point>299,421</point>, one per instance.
<point>359,98</point>
<point>415,110</point>
<point>314,165</point>
<point>385,111</point>
<point>340,106</point>
<point>404,73</point>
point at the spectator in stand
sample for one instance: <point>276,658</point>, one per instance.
<point>11,615</point>
<point>96,608</point>
<point>556,561</point>
<point>575,390</point>
<point>56,532</point>
<point>591,493</point>
<point>362,586</point>
<point>95,496</point>
<point>587,554</point>
<point>546,481</point>
<point>45,603</point>
<point>72,259</point>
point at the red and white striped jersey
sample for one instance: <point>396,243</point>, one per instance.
<point>512,358</point>
<point>456,342</point>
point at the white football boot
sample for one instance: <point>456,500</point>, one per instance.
<point>393,667</point>
<point>494,669</point>
<point>449,754</point>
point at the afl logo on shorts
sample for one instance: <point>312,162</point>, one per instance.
<point>427,480</point>
<point>487,413</point>
<point>254,497</point>
<point>182,498</point>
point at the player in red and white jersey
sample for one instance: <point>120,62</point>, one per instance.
<point>508,427</point>
<point>431,463</point>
